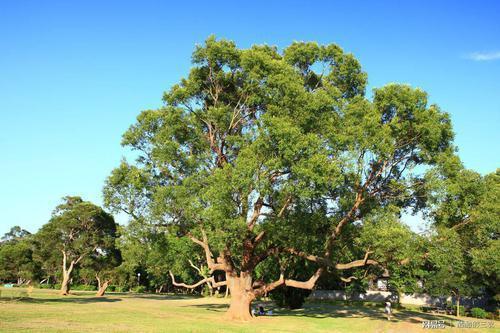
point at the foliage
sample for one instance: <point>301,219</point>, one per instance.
<point>139,289</point>
<point>478,313</point>
<point>15,233</point>
<point>464,248</point>
<point>16,257</point>
<point>15,261</point>
<point>85,287</point>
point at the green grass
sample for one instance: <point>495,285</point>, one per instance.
<point>44,310</point>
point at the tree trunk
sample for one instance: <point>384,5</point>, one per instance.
<point>241,297</point>
<point>458,305</point>
<point>65,283</point>
<point>67,273</point>
<point>102,289</point>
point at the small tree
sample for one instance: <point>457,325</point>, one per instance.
<point>76,230</point>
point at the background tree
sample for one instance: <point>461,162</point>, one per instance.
<point>15,233</point>
<point>101,264</point>
<point>464,252</point>
<point>260,155</point>
<point>76,230</point>
<point>16,257</point>
<point>447,267</point>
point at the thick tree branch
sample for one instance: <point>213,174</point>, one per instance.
<point>195,267</point>
<point>208,280</point>
<point>285,206</point>
<point>212,265</point>
<point>264,289</point>
<point>255,214</point>
<point>347,218</point>
<point>259,237</point>
<point>357,263</point>
<point>317,259</point>
<point>309,284</point>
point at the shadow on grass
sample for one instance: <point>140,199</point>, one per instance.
<point>216,307</point>
<point>159,297</point>
<point>79,300</point>
<point>335,311</point>
<point>338,311</point>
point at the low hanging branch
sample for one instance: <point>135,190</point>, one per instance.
<point>209,280</point>
<point>309,284</point>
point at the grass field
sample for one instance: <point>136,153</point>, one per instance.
<point>45,311</point>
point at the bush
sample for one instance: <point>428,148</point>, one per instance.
<point>291,298</point>
<point>461,310</point>
<point>119,289</point>
<point>478,313</point>
<point>139,289</point>
<point>85,287</point>
<point>206,291</point>
<point>491,316</point>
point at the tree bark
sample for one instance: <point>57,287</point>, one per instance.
<point>65,283</point>
<point>67,272</point>
<point>102,289</point>
<point>242,296</point>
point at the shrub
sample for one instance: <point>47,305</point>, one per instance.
<point>206,291</point>
<point>461,310</point>
<point>289,297</point>
<point>111,288</point>
<point>119,289</point>
<point>139,289</point>
<point>478,313</point>
<point>85,287</point>
<point>491,316</point>
<point>122,289</point>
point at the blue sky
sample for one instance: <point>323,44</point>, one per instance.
<point>75,74</point>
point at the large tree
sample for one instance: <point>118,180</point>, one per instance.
<point>266,155</point>
<point>77,229</point>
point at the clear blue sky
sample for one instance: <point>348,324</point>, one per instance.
<point>75,74</point>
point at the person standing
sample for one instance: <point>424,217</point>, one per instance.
<point>388,309</point>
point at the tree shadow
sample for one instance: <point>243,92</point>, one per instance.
<point>216,307</point>
<point>76,300</point>
<point>162,297</point>
<point>373,313</point>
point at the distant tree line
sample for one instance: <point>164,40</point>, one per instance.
<point>82,246</point>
